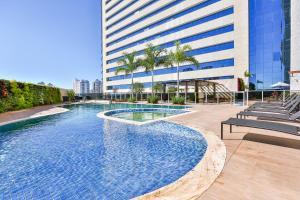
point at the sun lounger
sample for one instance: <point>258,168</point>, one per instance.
<point>284,128</point>
<point>276,105</point>
<point>270,116</point>
<point>284,110</point>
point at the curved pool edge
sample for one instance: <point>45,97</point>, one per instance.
<point>48,112</point>
<point>194,183</point>
<point>104,116</point>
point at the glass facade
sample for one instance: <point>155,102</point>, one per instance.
<point>188,39</point>
<point>164,21</point>
<point>184,68</point>
<point>208,49</point>
<point>170,5</point>
<point>174,30</point>
<point>121,10</point>
<point>114,5</point>
<point>269,52</point>
<point>148,84</point>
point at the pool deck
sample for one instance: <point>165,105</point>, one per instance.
<point>264,165</point>
<point>14,116</point>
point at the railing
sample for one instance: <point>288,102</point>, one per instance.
<point>243,98</point>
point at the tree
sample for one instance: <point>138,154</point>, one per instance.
<point>179,56</point>
<point>153,58</point>
<point>138,87</point>
<point>129,65</point>
<point>158,88</point>
<point>71,95</point>
<point>172,89</point>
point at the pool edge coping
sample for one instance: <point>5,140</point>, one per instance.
<point>195,182</point>
<point>43,113</point>
<point>103,116</point>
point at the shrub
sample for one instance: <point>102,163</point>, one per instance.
<point>153,99</point>
<point>71,95</point>
<point>15,95</point>
<point>132,100</point>
<point>138,88</point>
<point>178,100</point>
<point>3,89</point>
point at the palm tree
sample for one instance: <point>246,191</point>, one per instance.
<point>178,57</point>
<point>130,64</point>
<point>158,88</point>
<point>153,58</point>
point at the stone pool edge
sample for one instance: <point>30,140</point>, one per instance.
<point>48,112</point>
<point>103,116</point>
<point>193,184</point>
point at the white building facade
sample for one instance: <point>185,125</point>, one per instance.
<point>76,86</point>
<point>81,87</point>
<point>219,32</point>
<point>97,86</point>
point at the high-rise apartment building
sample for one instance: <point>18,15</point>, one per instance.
<point>97,86</point>
<point>228,38</point>
<point>76,86</point>
<point>84,87</point>
<point>81,87</point>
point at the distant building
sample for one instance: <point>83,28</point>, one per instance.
<point>41,83</point>
<point>84,87</point>
<point>76,86</point>
<point>97,86</point>
<point>81,87</point>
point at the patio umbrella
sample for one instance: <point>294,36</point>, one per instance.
<point>280,85</point>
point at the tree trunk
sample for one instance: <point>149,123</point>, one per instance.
<point>177,92</point>
<point>152,82</point>
<point>131,85</point>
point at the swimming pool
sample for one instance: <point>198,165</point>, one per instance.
<point>76,155</point>
<point>141,114</point>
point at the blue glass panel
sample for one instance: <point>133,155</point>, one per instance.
<point>121,10</point>
<point>148,84</point>
<point>269,23</point>
<point>132,13</point>
<point>188,39</point>
<point>184,68</point>
<point>114,5</point>
<point>204,50</point>
<point>165,20</point>
<point>174,30</point>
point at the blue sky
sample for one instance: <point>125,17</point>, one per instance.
<point>50,40</point>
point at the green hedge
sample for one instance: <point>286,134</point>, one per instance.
<point>16,95</point>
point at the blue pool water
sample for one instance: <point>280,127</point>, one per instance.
<point>76,155</point>
<point>143,114</point>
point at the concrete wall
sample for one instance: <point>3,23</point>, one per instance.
<point>295,43</point>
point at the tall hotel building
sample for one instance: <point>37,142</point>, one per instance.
<point>228,38</point>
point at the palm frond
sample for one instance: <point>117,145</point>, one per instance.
<point>186,48</point>
<point>192,60</point>
<point>122,69</point>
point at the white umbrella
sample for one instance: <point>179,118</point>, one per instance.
<point>280,84</point>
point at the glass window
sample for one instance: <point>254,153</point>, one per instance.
<point>184,68</point>
<point>112,6</point>
<point>121,10</point>
<point>148,84</point>
<point>174,30</point>
<point>188,39</point>
<point>269,42</point>
<point>163,21</point>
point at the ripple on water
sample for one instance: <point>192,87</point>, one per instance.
<point>76,155</point>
